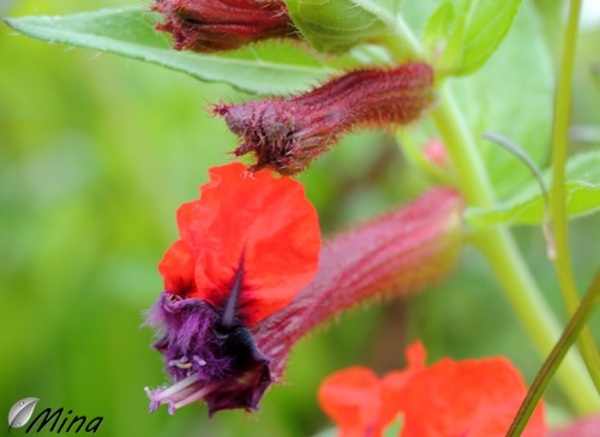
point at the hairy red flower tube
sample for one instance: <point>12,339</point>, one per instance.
<point>400,253</point>
<point>218,25</point>
<point>450,398</point>
<point>238,291</point>
<point>286,134</point>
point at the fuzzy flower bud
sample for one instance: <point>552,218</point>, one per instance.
<point>287,134</point>
<point>435,152</point>
<point>240,284</point>
<point>217,25</point>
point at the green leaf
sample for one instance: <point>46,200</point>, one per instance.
<point>273,67</point>
<point>512,96</point>
<point>527,206</point>
<point>479,28</point>
<point>338,25</point>
<point>438,27</point>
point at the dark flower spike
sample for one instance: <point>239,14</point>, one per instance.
<point>258,243</point>
<point>217,25</point>
<point>287,134</point>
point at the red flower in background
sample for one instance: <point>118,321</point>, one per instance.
<point>449,398</point>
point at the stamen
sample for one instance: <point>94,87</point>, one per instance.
<point>182,363</point>
<point>199,360</point>
<point>196,396</point>
<point>183,394</point>
<point>184,383</point>
<point>171,408</point>
<point>176,395</point>
<point>185,363</point>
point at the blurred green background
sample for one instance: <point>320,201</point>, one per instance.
<point>96,154</point>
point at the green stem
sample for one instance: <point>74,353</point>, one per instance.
<point>471,172</point>
<point>496,244</point>
<point>498,247</point>
<point>578,321</point>
<point>560,142</point>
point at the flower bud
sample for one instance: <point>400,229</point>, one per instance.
<point>217,25</point>
<point>287,134</point>
<point>435,152</point>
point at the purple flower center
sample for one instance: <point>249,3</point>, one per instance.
<point>208,361</point>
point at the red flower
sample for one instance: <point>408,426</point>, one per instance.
<point>449,398</point>
<point>251,242</point>
<point>352,398</point>
<point>231,312</point>
<point>246,248</point>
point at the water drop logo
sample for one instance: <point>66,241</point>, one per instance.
<point>21,412</point>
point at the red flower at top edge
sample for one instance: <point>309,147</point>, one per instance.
<point>450,398</point>
<point>246,247</point>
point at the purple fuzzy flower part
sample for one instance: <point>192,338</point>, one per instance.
<point>221,366</point>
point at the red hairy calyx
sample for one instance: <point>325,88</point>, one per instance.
<point>287,134</point>
<point>217,25</point>
<point>401,253</point>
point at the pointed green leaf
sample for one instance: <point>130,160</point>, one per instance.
<point>527,207</point>
<point>338,25</point>
<point>438,27</point>
<point>479,28</point>
<point>510,95</point>
<point>521,69</point>
<point>273,67</point>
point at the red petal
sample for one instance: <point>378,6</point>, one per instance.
<point>265,220</point>
<point>474,398</point>
<point>467,398</point>
<point>394,383</point>
<point>189,223</point>
<point>177,268</point>
<point>415,354</point>
<point>352,398</point>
